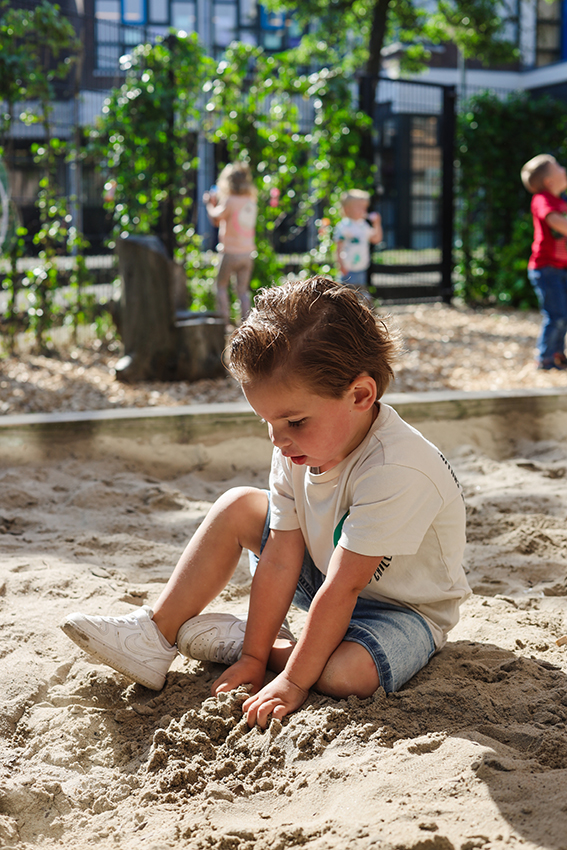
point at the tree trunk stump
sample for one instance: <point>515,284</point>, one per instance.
<point>162,341</point>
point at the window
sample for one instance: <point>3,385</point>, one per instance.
<point>158,11</point>
<point>509,12</point>
<point>107,13</point>
<point>183,15</point>
<point>548,33</point>
<point>248,12</point>
<point>133,11</point>
<point>121,24</point>
<point>224,23</point>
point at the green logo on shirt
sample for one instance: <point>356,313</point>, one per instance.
<point>338,530</point>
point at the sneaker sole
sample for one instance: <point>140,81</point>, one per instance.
<point>84,642</point>
<point>207,624</point>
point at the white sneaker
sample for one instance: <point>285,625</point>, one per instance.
<point>133,644</point>
<point>217,637</point>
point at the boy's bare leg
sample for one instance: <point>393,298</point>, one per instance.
<point>222,283</point>
<point>235,522</point>
<point>349,671</point>
<point>243,276</point>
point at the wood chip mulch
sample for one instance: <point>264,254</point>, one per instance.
<point>444,348</point>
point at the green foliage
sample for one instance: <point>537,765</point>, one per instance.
<point>495,138</point>
<point>301,134</point>
<point>358,29</point>
<point>201,269</point>
<point>37,47</point>
<point>511,284</point>
<point>80,277</point>
<point>146,140</point>
<point>51,240</point>
<point>475,26</point>
<point>12,283</point>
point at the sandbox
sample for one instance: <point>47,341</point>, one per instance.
<point>472,753</point>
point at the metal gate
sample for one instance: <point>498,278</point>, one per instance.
<point>414,126</point>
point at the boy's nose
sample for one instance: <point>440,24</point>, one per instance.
<point>277,437</point>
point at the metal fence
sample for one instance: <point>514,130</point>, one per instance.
<point>415,133</point>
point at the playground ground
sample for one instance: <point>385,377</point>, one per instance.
<point>443,348</point>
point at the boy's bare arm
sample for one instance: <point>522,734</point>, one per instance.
<point>272,590</point>
<point>324,630</point>
<point>377,233</point>
<point>557,221</point>
<point>215,210</point>
<point>339,245</point>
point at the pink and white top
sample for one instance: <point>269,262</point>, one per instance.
<point>237,224</point>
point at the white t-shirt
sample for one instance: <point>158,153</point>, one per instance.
<point>354,237</point>
<point>395,495</point>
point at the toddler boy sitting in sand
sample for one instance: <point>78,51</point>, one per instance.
<point>363,526</point>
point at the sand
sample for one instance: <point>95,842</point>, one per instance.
<point>472,753</point>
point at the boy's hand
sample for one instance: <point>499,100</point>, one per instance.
<point>278,698</point>
<point>247,671</point>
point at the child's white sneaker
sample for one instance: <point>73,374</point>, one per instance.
<point>133,644</point>
<point>217,637</point>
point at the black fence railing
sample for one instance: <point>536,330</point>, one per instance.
<point>415,130</point>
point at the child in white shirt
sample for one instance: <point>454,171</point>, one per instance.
<point>363,526</point>
<point>354,234</point>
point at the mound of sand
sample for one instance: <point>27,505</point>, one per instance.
<point>472,753</point>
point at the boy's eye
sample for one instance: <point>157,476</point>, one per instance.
<point>296,423</point>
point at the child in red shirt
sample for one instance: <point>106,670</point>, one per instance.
<point>547,267</point>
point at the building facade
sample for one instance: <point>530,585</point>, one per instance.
<point>408,121</point>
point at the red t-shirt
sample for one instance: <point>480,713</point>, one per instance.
<point>547,249</point>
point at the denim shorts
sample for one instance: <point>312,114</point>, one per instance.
<point>398,639</point>
<point>359,278</point>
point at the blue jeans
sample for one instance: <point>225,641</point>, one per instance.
<point>398,639</point>
<point>550,285</point>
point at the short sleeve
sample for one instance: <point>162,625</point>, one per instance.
<point>391,512</point>
<point>544,203</point>
<point>339,232</point>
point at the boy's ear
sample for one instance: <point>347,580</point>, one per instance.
<point>364,389</point>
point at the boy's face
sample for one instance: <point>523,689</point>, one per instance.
<point>555,180</point>
<point>355,208</point>
<point>310,429</point>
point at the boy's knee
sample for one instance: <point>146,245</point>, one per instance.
<point>239,499</point>
<point>243,509</point>
<point>350,671</point>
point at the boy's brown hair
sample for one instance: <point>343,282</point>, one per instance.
<point>318,332</point>
<point>533,173</point>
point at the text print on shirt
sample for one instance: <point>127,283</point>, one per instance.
<point>450,468</point>
<point>386,560</point>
